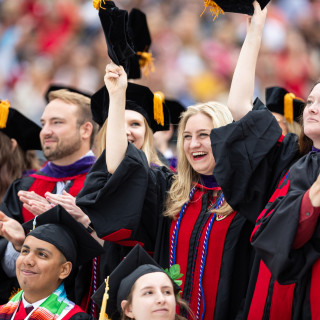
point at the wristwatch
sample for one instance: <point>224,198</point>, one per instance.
<point>90,228</point>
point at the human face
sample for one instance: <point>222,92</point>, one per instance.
<point>60,135</point>
<point>311,116</point>
<point>135,128</point>
<point>197,144</point>
<point>152,298</point>
<point>40,268</point>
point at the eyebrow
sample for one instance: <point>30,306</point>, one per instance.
<point>38,249</point>
<point>51,119</point>
<point>197,130</point>
<point>152,287</point>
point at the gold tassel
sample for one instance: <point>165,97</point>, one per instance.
<point>288,107</point>
<point>103,315</point>
<point>214,8</point>
<point>158,99</point>
<point>146,62</point>
<point>97,4</point>
<point>14,292</point>
<point>4,113</point>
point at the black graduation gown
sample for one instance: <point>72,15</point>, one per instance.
<point>82,316</point>
<point>127,207</point>
<point>275,233</point>
<point>12,207</point>
<point>251,158</point>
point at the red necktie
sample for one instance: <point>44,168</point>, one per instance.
<point>22,312</point>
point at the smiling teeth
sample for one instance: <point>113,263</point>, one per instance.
<point>197,154</point>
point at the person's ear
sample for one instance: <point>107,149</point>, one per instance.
<point>127,309</point>
<point>65,270</point>
<point>14,144</point>
<point>86,130</point>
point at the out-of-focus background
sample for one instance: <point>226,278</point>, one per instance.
<point>61,41</point>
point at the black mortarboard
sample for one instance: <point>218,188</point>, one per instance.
<point>237,6</point>
<point>55,87</point>
<point>281,101</point>
<point>136,264</point>
<point>59,228</point>
<point>15,125</point>
<point>114,22</point>
<point>138,98</point>
<point>139,31</point>
<point>175,110</point>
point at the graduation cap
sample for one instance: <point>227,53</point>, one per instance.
<point>55,87</point>
<point>136,264</point>
<point>138,98</point>
<point>16,126</point>
<point>114,22</point>
<point>281,101</point>
<point>138,28</point>
<point>71,238</point>
<point>237,6</point>
<point>175,110</point>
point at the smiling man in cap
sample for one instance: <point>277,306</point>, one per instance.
<point>49,251</point>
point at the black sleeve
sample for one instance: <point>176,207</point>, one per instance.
<point>125,206</point>
<point>11,205</point>
<point>275,231</point>
<point>250,160</point>
<point>82,316</point>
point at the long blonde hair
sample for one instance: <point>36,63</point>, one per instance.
<point>147,147</point>
<point>186,177</point>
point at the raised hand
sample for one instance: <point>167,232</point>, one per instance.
<point>12,230</point>
<point>257,20</point>
<point>115,79</point>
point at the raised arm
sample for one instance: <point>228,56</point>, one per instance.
<point>242,86</point>
<point>116,139</point>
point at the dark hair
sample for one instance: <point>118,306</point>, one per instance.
<point>183,306</point>
<point>12,163</point>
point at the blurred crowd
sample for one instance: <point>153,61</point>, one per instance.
<point>61,41</point>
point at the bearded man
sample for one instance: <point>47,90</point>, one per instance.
<point>67,136</point>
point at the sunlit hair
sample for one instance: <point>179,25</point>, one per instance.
<point>147,147</point>
<point>187,176</point>
<point>294,127</point>
<point>305,143</point>
<point>13,162</point>
<point>182,305</point>
<point>84,108</point>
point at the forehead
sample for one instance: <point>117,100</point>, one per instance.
<point>153,279</point>
<point>35,243</point>
<point>199,121</point>
<point>315,91</point>
<point>133,115</point>
<point>59,109</point>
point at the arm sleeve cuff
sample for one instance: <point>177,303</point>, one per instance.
<point>307,221</point>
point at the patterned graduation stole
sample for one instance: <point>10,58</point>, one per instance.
<point>55,307</point>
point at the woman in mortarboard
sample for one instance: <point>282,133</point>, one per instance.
<point>181,218</point>
<point>138,288</point>
<point>253,152</point>
<point>19,136</point>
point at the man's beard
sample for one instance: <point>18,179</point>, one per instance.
<point>62,150</point>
